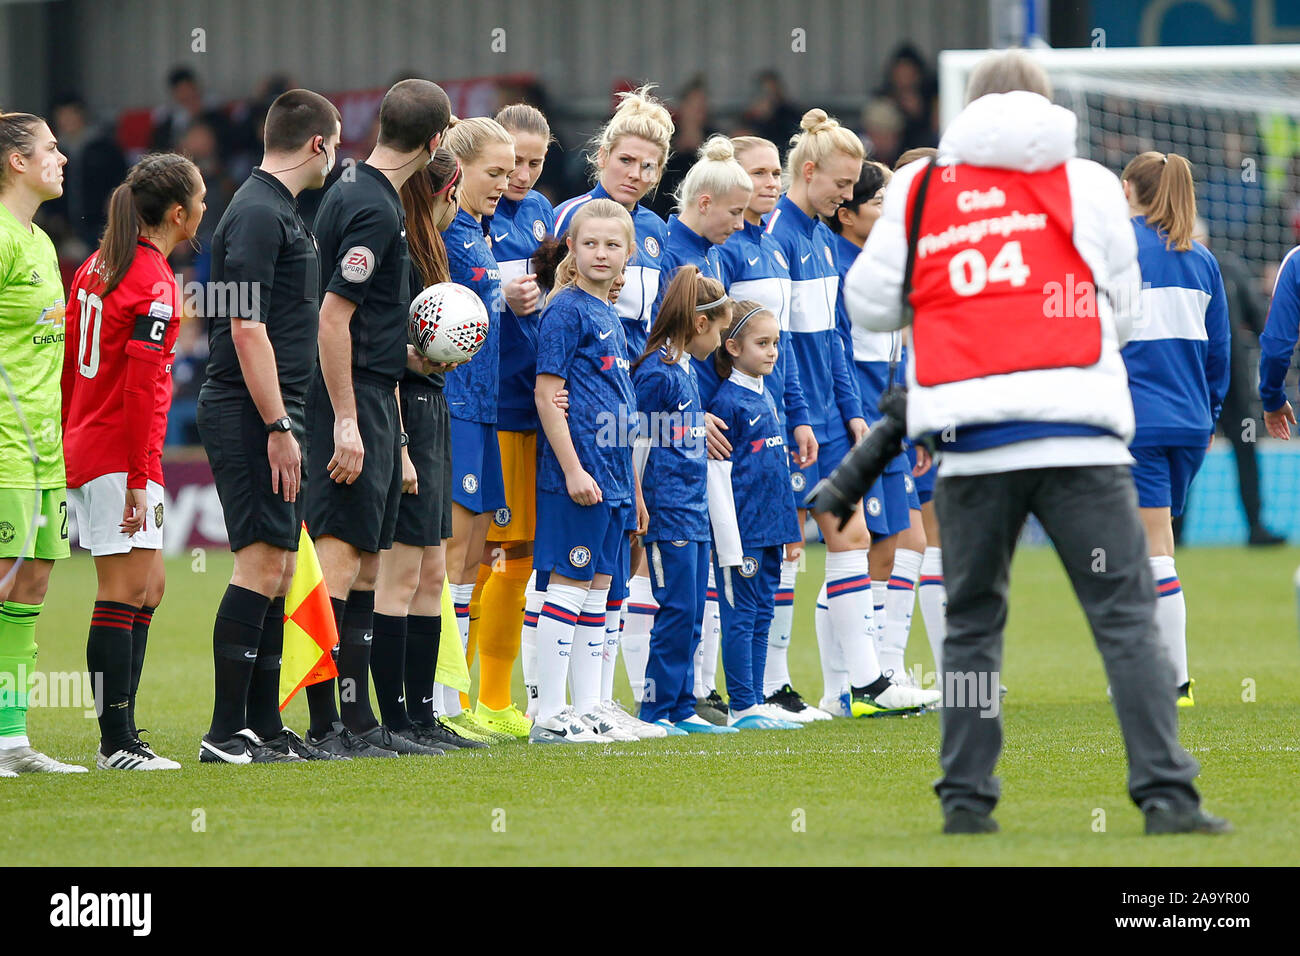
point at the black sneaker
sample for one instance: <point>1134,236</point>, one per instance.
<point>287,742</point>
<point>713,709</point>
<point>787,698</point>
<point>244,747</point>
<point>446,737</point>
<point>1162,818</point>
<point>381,737</point>
<point>342,742</point>
<point>418,737</point>
<point>1262,537</point>
<point>969,821</point>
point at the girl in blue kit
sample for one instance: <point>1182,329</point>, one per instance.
<point>765,514</point>
<point>1178,370</point>
<point>692,315</point>
<point>588,497</point>
<point>629,158</point>
<point>823,164</point>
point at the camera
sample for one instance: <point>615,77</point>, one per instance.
<point>841,492</point>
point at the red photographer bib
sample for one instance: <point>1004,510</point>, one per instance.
<point>997,284</point>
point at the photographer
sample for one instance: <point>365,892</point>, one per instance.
<point>1015,366</point>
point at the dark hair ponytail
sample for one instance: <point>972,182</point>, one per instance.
<point>152,186</point>
<point>675,323</point>
<point>427,249</point>
<point>1161,183</point>
<point>745,309</point>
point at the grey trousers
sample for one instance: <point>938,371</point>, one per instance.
<point>1090,514</point>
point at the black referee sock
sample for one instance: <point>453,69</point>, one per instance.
<point>320,697</point>
<point>354,662</point>
<point>235,637</point>
<point>108,656</point>
<point>387,664</point>
<point>422,636</point>
<point>139,642</point>
<point>264,690</point>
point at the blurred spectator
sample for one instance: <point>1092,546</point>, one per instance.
<point>882,130</point>
<point>913,88</point>
<point>246,119</point>
<point>770,115</point>
<point>188,371</point>
<point>693,126</point>
<point>185,109</point>
<point>95,167</point>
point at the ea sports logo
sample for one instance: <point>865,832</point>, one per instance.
<point>539,230</point>
<point>580,557</point>
<point>470,483</point>
<point>873,507</point>
<point>748,567</point>
<point>358,262</point>
<point>797,480</point>
<point>908,484</point>
<point>502,518</point>
<point>652,247</point>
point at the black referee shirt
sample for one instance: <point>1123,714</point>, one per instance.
<point>361,228</point>
<point>265,267</point>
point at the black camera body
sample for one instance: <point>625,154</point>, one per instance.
<point>841,492</point>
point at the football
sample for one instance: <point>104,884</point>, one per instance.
<point>448,323</point>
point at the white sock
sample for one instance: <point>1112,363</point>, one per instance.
<point>556,627</point>
<point>835,679</point>
<point>589,651</point>
<point>900,599</point>
<point>641,607</point>
<point>878,591</point>
<point>460,598</point>
<point>777,673</point>
<point>450,701</point>
<point>848,602</point>
<point>609,658</point>
<point>1171,615</point>
<point>533,600</point>
<point>933,598</point>
<point>710,640</point>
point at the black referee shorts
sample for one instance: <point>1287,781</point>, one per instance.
<point>363,513</point>
<point>235,439</point>
<point>424,519</point>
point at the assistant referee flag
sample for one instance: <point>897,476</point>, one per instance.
<point>309,631</point>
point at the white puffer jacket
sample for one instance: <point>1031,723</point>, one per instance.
<point>1022,131</point>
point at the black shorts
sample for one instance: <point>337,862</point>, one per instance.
<point>424,519</point>
<point>363,513</point>
<point>235,439</point>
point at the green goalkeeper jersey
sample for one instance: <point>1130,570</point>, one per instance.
<point>31,350</point>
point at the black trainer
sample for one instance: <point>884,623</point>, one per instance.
<point>445,736</point>
<point>713,709</point>
<point>244,747</point>
<point>381,736</point>
<point>962,820</point>
<point>418,737</point>
<point>341,742</point>
<point>787,698</point>
<point>287,742</point>
<point>1162,818</point>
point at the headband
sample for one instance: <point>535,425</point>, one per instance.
<point>711,305</point>
<point>455,177</point>
<point>745,318</point>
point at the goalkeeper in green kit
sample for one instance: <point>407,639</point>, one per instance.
<point>33,496</point>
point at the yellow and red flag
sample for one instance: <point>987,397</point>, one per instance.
<point>309,631</point>
<point>451,670</point>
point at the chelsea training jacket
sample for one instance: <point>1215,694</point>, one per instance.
<point>1280,333</point>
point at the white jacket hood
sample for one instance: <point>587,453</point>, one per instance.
<point>1017,130</point>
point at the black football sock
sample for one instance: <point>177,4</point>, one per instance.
<point>235,637</point>
<point>387,663</point>
<point>354,662</point>
<point>139,642</point>
<point>108,656</point>
<point>422,636</point>
<point>264,691</point>
<point>320,697</point>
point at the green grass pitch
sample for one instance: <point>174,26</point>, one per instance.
<point>839,793</point>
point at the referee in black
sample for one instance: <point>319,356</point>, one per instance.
<point>353,425</point>
<point>251,420</point>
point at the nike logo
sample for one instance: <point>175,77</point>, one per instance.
<point>401,700</point>
<point>753,420</point>
<point>752,261</point>
<point>368,637</point>
<point>251,655</point>
<point>604,335</point>
<point>684,404</point>
<point>801,259</point>
<point>597,644</point>
<point>500,237</point>
<point>564,643</point>
<point>470,244</point>
<point>426,700</point>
